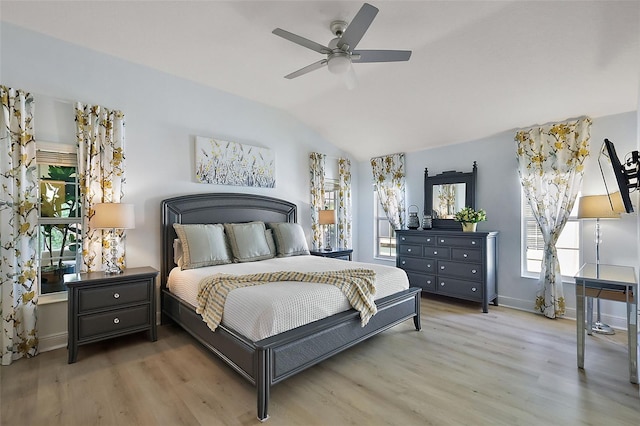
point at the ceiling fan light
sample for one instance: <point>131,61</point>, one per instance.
<point>339,63</point>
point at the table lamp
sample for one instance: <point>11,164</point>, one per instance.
<point>113,216</point>
<point>327,217</point>
<point>600,207</point>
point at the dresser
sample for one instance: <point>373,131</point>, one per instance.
<point>103,306</point>
<point>451,263</point>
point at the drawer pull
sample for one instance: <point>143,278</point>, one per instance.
<point>428,240</point>
<point>442,241</point>
<point>403,238</point>
<point>473,243</point>
<point>404,262</point>
<point>473,289</point>
<point>428,265</point>
<point>442,284</point>
<point>442,267</point>
<point>435,252</point>
<point>428,281</point>
<point>116,295</point>
<point>473,271</point>
<point>465,255</point>
<point>116,320</point>
<point>409,250</point>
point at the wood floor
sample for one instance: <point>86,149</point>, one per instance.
<point>464,368</point>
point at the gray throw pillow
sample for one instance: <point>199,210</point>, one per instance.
<point>202,245</point>
<point>290,239</point>
<point>248,241</point>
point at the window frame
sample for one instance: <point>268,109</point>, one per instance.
<point>57,154</point>
<point>377,219</point>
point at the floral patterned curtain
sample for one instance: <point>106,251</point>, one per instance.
<point>344,203</point>
<point>18,227</point>
<point>551,165</point>
<point>316,172</point>
<point>100,139</point>
<point>389,182</point>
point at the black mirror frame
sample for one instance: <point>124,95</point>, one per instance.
<point>444,178</point>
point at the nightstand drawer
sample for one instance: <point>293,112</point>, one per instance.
<point>113,295</point>
<point>115,322</point>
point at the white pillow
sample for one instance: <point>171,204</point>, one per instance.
<point>248,241</point>
<point>202,245</point>
<point>290,239</point>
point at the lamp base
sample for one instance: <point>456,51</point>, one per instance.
<point>602,328</point>
<point>112,270</point>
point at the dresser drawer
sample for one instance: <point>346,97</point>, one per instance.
<point>468,255</point>
<point>427,240</point>
<point>113,295</point>
<point>437,252</point>
<point>426,282</point>
<point>417,264</point>
<point>117,321</point>
<point>453,241</point>
<point>459,288</point>
<point>410,250</point>
<point>472,271</point>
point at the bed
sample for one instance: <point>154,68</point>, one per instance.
<point>270,360</point>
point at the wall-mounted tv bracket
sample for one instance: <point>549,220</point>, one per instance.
<point>631,168</point>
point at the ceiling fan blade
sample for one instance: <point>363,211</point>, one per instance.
<point>301,41</point>
<point>358,26</point>
<point>314,66</point>
<point>362,56</point>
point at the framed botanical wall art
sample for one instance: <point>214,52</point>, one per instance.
<point>231,163</point>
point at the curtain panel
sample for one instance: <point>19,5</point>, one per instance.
<point>100,138</point>
<point>18,226</point>
<point>316,174</point>
<point>551,166</point>
<point>343,207</point>
<point>389,182</point>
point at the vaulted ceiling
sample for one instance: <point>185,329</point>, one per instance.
<point>477,68</point>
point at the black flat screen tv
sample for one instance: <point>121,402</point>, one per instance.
<point>616,176</point>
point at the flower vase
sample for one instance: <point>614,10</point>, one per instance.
<point>469,227</point>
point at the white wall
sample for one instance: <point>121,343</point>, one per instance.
<point>163,115</point>
<point>498,192</point>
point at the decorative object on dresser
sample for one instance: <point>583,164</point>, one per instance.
<point>448,192</point>
<point>326,219</point>
<point>413,222</point>
<point>336,253</point>
<point>113,216</point>
<point>469,218</point>
<point>451,263</point>
<point>103,306</point>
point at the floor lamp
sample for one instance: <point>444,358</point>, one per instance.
<point>327,218</point>
<point>113,216</point>
<point>599,207</point>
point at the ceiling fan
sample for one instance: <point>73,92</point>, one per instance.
<point>340,53</point>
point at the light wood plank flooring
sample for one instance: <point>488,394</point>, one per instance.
<point>464,368</point>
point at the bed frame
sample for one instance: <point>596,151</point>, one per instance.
<point>271,360</point>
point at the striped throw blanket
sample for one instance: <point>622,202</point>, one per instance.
<point>358,285</point>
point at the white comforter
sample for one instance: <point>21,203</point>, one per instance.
<point>262,311</point>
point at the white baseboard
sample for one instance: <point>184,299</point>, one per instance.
<point>527,305</point>
<point>53,341</point>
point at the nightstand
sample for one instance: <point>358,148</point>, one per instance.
<point>337,253</point>
<point>102,306</point>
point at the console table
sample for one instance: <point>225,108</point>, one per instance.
<point>611,283</point>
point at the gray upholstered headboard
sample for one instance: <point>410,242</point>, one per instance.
<point>217,208</point>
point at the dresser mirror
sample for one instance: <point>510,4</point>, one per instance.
<point>447,193</point>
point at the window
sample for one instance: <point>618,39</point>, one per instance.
<point>59,224</point>
<point>383,233</point>
<point>568,244</point>
<point>330,203</point>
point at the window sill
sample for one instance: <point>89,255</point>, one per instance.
<point>45,299</point>
<point>565,279</point>
<point>386,259</point>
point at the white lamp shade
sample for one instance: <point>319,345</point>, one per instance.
<point>599,207</point>
<point>327,217</point>
<point>113,215</point>
<point>339,63</point>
